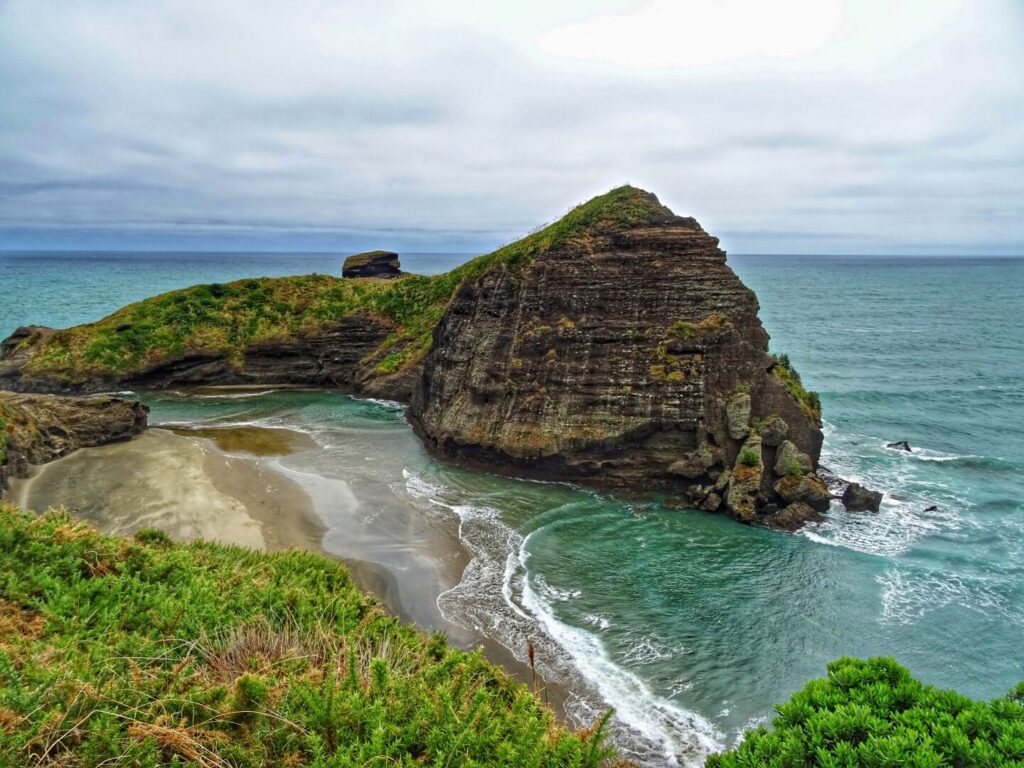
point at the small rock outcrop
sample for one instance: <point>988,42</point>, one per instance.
<point>380,264</point>
<point>901,445</point>
<point>745,481</point>
<point>793,517</point>
<point>857,498</point>
<point>809,490</point>
<point>773,431</point>
<point>40,428</point>
<point>790,460</point>
<point>737,414</point>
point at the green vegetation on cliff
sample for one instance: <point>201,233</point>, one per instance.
<point>225,319</point>
<point>873,714</point>
<point>809,401</point>
<point>146,652</point>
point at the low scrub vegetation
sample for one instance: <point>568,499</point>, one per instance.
<point>143,652</point>
<point>873,714</point>
<point>713,324</point>
<point>784,371</point>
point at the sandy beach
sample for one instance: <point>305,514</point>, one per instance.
<point>231,485</point>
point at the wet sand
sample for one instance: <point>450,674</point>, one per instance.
<point>180,485</point>
<point>229,485</point>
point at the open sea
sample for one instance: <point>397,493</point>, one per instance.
<point>691,625</point>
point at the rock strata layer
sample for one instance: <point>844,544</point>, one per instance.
<point>337,354</point>
<point>41,428</point>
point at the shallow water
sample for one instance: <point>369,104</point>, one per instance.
<point>689,624</point>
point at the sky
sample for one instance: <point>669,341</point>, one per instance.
<point>795,126</point>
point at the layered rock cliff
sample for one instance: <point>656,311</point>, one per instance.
<point>625,353</point>
<point>36,429</point>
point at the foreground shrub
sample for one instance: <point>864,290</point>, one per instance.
<point>144,652</point>
<point>874,714</point>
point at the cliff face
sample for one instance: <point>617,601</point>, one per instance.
<point>37,429</point>
<point>622,356</point>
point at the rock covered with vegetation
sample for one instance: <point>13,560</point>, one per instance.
<point>380,264</point>
<point>618,349</point>
<point>614,347</point>
<point>873,714</point>
<point>146,652</point>
<point>36,429</point>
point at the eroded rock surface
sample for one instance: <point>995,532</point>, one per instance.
<point>372,264</point>
<point>40,428</point>
<point>338,354</point>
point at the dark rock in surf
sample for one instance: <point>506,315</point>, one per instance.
<point>902,445</point>
<point>793,517</point>
<point>857,498</point>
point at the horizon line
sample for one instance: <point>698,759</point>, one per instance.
<point>256,252</point>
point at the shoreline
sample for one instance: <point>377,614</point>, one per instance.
<point>227,484</point>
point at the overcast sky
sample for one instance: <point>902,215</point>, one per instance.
<point>794,126</point>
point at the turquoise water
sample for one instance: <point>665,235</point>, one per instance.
<point>690,625</point>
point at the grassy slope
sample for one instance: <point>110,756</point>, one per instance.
<point>145,652</point>
<point>226,318</point>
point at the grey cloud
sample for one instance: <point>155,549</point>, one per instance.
<point>449,136</point>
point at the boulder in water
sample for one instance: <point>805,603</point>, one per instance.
<point>902,445</point>
<point>857,498</point>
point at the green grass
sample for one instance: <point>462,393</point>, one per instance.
<point>749,458</point>
<point>144,652</point>
<point>873,714</point>
<point>226,319</point>
<point>809,402</point>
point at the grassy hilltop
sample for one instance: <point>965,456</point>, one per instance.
<point>226,318</point>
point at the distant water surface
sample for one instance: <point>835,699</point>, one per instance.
<point>690,625</point>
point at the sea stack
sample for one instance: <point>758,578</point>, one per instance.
<point>622,351</point>
<point>380,264</point>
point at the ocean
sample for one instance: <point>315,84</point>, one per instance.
<point>691,625</point>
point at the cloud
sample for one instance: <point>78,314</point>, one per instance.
<point>852,126</point>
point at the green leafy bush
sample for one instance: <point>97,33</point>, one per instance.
<point>792,468</point>
<point>146,652</point>
<point>749,457</point>
<point>873,714</point>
